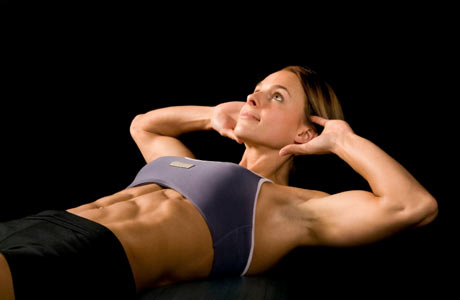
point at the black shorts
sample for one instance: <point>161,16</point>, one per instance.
<point>59,255</point>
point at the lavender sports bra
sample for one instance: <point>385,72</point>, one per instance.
<point>226,196</point>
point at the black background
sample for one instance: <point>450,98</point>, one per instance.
<point>73,87</point>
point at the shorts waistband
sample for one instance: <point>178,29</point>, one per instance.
<point>71,221</point>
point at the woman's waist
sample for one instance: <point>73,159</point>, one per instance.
<point>165,238</point>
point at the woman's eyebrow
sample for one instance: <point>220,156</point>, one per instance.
<point>278,86</point>
<point>282,87</point>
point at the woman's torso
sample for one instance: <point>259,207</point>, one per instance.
<point>167,240</point>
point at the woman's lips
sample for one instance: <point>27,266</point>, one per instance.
<point>249,116</point>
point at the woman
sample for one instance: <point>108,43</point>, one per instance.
<point>184,219</point>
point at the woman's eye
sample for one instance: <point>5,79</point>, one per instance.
<point>278,97</point>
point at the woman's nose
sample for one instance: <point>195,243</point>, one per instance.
<point>251,100</point>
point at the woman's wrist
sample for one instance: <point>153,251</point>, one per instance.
<point>343,143</point>
<point>210,113</point>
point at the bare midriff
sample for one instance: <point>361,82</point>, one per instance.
<point>167,240</point>
<point>164,236</point>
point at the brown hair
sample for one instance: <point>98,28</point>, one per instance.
<point>320,99</point>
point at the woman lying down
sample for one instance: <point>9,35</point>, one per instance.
<point>183,218</point>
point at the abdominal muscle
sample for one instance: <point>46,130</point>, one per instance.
<point>167,240</point>
<point>164,236</point>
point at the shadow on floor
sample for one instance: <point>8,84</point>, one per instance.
<point>253,287</point>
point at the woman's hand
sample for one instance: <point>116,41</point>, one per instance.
<point>325,143</point>
<point>224,119</point>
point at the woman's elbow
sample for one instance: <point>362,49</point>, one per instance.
<point>430,212</point>
<point>433,209</point>
<point>136,124</point>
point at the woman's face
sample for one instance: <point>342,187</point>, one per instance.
<point>273,115</point>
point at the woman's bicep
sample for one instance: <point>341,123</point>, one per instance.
<point>350,218</point>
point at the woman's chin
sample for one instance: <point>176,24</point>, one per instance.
<point>245,134</point>
<point>249,136</point>
<point>255,141</point>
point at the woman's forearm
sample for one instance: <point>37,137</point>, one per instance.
<point>386,177</point>
<point>175,120</point>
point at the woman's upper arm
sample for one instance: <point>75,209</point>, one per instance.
<point>153,145</point>
<point>351,218</point>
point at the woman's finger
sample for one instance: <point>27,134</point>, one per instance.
<point>237,139</point>
<point>291,149</point>
<point>231,134</point>
<point>319,120</point>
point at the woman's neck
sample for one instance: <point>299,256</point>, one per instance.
<point>267,163</point>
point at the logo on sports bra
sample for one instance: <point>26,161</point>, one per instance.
<point>180,164</point>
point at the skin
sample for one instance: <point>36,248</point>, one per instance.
<point>279,103</point>
<point>167,240</point>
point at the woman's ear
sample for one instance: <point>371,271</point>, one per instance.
<point>305,134</point>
